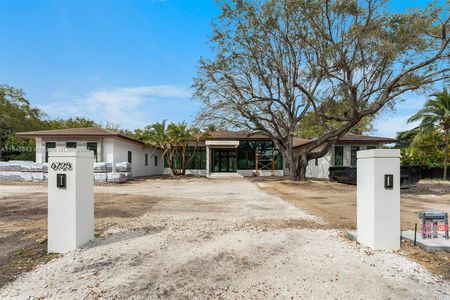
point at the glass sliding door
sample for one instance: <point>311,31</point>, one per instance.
<point>223,160</point>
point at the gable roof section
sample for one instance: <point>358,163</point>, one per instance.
<point>78,132</point>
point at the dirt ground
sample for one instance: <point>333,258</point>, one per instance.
<point>335,203</point>
<point>198,238</point>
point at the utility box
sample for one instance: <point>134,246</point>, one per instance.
<point>70,200</point>
<point>378,198</point>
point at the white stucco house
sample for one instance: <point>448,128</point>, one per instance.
<point>241,154</point>
<point>221,153</point>
<point>108,146</point>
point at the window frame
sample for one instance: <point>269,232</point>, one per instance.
<point>145,159</point>
<point>353,155</point>
<point>342,156</point>
<point>130,157</point>
<point>72,144</point>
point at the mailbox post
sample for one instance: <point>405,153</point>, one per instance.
<point>378,198</point>
<point>70,200</point>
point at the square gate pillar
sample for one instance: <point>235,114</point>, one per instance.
<point>378,198</point>
<point>70,200</point>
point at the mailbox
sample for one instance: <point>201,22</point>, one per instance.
<point>61,180</point>
<point>388,181</point>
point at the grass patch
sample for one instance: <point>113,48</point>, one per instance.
<point>24,260</point>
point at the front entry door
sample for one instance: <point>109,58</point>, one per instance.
<point>223,160</point>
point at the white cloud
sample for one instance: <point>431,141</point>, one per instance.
<point>391,122</point>
<point>130,107</point>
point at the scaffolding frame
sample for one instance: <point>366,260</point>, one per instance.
<point>264,161</point>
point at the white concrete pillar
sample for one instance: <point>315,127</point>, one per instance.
<point>208,157</point>
<point>70,200</point>
<point>378,198</point>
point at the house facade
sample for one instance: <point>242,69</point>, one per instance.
<point>219,154</point>
<point>237,153</point>
<point>107,146</point>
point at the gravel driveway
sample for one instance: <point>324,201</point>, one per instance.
<point>222,239</point>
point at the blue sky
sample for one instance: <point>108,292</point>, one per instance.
<point>127,62</point>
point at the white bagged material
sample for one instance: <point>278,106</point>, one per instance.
<point>116,177</point>
<point>100,177</point>
<point>128,175</point>
<point>45,176</point>
<point>10,166</point>
<point>45,167</point>
<point>102,167</point>
<point>10,175</point>
<point>25,166</point>
<point>37,176</point>
<point>36,167</point>
<point>26,176</point>
<point>123,167</point>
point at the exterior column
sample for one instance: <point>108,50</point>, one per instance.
<point>378,198</point>
<point>70,200</point>
<point>207,160</point>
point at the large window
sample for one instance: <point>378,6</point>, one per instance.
<point>338,155</point>
<point>353,157</point>
<point>196,155</point>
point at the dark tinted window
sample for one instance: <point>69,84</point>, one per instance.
<point>49,145</point>
<point>129,156</point>
<point>353,151</point>
<point>156,160</point>
<point>338,155</point>
<point>146,159</point>
<point>71,145</point>
<point>92,147</point>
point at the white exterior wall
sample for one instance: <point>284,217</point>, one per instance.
<point>61,145</point>
<point>321,170</point>
<point>111,150</point>
<point>138,168</point>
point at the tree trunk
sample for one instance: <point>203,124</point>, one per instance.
<point>293,166</point>
<point>446,153</point>
<point>302,165</point>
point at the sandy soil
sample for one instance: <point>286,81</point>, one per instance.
<point>335,203</point>
<point>198,238</point>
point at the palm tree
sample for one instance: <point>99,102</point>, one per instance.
<point>175,140</point>
<point>435,115</point>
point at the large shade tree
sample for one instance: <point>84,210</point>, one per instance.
<point>279,60</point>
<point>435,116</point>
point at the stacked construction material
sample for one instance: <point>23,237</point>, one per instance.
<point>122,174</point>
<point>101,169</point>
<point>23,170</point>
<point>16,170</point>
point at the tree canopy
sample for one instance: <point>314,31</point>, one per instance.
<point>277,61</point>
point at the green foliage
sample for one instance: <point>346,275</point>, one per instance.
<point>434,120</point>
<point>405,138</point>
<point>77,122</point>
<point>426,150</point>
<point>174,139</point>
<point>16,114</point>
<point>310,126</point>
